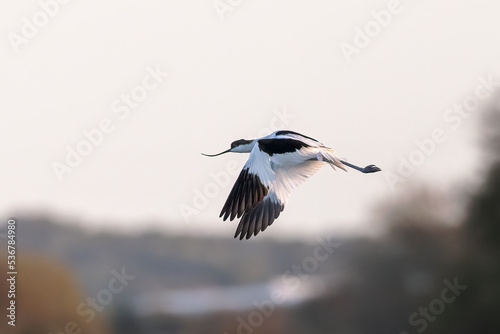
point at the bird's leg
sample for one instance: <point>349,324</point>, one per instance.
<point>367,169</point>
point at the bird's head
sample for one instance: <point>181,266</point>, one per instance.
<point>238,146</point>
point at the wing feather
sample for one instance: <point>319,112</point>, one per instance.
<point>258,218</point>
<point>251,186</point>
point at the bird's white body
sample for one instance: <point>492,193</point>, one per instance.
<point>278,163</point>
<point>283,172</point>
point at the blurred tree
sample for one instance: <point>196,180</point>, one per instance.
<point>46,299</point>
<point>483,221</point>
<point>478,266</point>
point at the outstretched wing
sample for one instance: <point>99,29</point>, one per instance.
<point>251,187</point>
<point>286,178</point>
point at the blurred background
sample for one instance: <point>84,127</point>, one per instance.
<point>107,107</point>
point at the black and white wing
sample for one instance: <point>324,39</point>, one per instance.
<point>262,190</point>
<point>251,187</point>
<point>263,215</point>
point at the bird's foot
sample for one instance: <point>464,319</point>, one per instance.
<point>371,169</point>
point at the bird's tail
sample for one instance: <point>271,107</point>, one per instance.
<point>332,159</point>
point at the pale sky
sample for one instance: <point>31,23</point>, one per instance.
<point>229,75</point>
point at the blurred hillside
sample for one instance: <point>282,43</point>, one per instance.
<point>163,261</point>
<point>369,286</point>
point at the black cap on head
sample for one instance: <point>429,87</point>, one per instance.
<point>240,142</point>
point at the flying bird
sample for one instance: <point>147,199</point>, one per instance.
<point>278,163</point>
